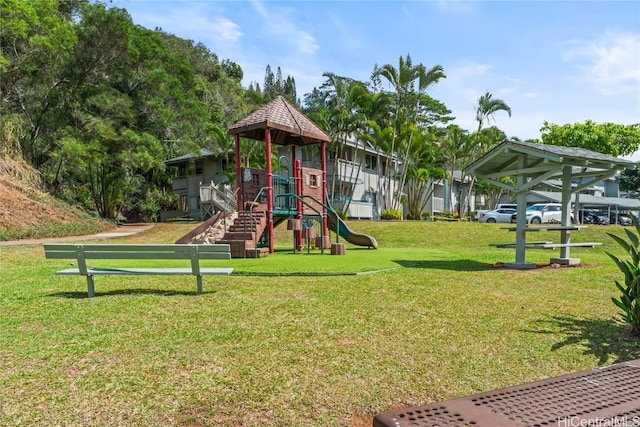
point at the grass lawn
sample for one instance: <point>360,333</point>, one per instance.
<point>275,345</point>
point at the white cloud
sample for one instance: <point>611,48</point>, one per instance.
<point>611,64</point>
<point>462,83</point>
<point>192,21</point>
<point>226,30</point>
<point>259,7</point>
<point>282,28</point>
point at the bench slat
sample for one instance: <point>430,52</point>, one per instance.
<point>151,255</point>
<point>136,255</point>
<point>527,244</point>
<point>132,248</point>
<point>572,245</point>
<point>145,271</point>
<point>548,245</point>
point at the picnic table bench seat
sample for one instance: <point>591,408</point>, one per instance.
<point>548,245</point>
<point>513,245</point>
<point>194,253</point>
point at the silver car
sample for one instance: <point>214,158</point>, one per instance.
<point>498,215</point>
<point>542,213</point>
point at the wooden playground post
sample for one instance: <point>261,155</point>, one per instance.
<point>238,173</point>
<point>298,191</point>
<point>323,166</point>
<point>269,191</point>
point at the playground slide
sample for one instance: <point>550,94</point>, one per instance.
<point>348,234</point>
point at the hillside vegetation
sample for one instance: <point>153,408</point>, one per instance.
<point>27,212</point>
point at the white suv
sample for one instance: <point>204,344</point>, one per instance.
<point>543,213</point>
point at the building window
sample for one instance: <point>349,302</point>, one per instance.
<point>199,167</point>
<point>181,170</point>
<point>255,179</point>
<point>371,162</point>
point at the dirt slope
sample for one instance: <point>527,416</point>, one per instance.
<point>25,210</point>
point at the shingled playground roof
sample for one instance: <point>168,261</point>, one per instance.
<point>288,125</point>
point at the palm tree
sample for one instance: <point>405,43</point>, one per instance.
<point>456,146</point>
<point>403,80</point>
<point>400,79</point>
<point>487,107</point>
<point>381,138</point>
<point>426,78</point>
<point>424,165</point>
<point>343,98</point>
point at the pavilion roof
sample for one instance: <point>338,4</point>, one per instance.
<point>288,125</point>
<point>544,162</point>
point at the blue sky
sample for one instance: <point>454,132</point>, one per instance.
<point>559,61</point>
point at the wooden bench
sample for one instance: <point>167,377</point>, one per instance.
<point>194,253</point>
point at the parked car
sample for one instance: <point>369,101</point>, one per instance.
<point>619,218</point>
<point>481,212</point>
<point>543,213</point>
<point>497,215</point>
<point>590,216</point>
<point>599,218</point>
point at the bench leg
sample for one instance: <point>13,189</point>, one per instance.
<point>199,277</point>
<point>90,288</point>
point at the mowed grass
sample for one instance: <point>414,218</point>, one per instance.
<point>297,339</point>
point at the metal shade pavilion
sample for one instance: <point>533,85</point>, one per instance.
<point>530,164</point>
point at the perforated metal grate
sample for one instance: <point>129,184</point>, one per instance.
<point>433,417</point>
<point>611,393</point>
<point>544,403</point>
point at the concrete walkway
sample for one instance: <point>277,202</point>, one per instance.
<point>120,231</point>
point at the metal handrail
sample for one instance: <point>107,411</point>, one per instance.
<point>227,200</point>
<point>253,220</point>
<point>329,206</point>
<point>320,214</point>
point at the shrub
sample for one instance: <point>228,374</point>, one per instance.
<point>391,214</point>
<point>629,301</point>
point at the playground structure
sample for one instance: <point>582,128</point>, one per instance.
<point>293,194</point>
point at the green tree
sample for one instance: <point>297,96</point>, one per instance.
<point>275,85</point>
<point>629,180</point>
<point>36,39</point>
<point>606,138</point>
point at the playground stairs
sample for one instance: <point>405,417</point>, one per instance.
<point>242,236</point>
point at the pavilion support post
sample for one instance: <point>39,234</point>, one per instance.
<point>240,197</point>
<point>323,166</point>
<point>565,235</point>
<point>267,137</point>
<point>298,191</point>
<point>521,225</point>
